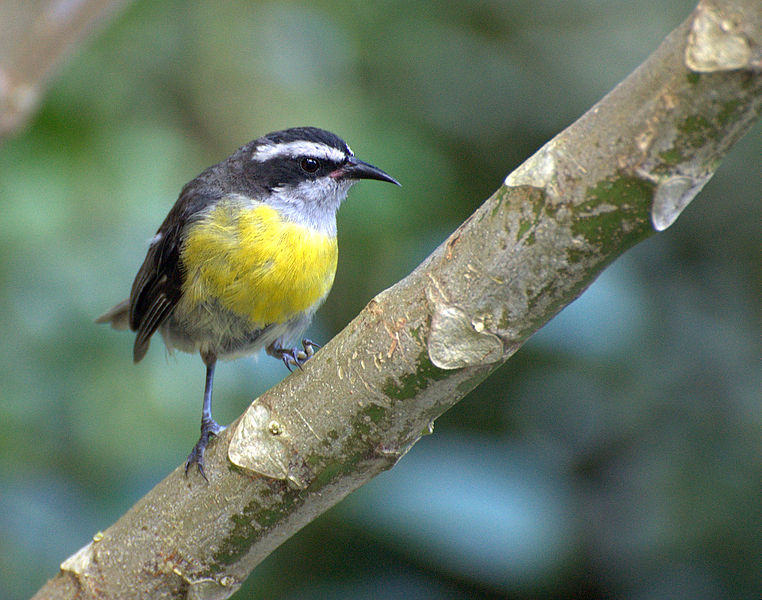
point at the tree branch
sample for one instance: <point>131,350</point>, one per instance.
<point>623,170</point>
<point>34,39</point>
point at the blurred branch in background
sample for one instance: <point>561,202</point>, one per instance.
<point>35,37</point>
<point>626,168</point>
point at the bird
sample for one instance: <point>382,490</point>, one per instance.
<point>245,257</point>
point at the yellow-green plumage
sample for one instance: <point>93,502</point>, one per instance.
<point>256,264</point>
<point>245,256</point>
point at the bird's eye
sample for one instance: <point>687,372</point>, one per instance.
<point>310,165</point>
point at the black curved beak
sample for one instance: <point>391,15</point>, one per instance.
<point>355,168</point>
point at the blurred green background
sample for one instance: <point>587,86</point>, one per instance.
<point>618,454</point>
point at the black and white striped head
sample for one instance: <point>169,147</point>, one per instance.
<point>306,173</point>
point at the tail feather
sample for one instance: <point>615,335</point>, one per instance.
<point>118,316</point>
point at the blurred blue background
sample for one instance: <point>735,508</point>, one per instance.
<point>618,454</point>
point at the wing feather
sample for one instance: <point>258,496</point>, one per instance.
<point>158,285</point>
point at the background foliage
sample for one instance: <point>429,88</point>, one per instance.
<point>616,455</point>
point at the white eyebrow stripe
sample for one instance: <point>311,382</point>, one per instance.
<point>298,148</point>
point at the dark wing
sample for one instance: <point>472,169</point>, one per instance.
<point>158,285</point>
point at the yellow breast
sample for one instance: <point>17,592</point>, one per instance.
<point>256,264</point>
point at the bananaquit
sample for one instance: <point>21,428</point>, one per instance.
<point>245,256</point>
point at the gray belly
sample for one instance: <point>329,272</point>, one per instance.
<point>208,328</point>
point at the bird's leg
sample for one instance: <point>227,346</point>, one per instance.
<point>293,357</point>
<point>209,427</point>
<point>309,347</point>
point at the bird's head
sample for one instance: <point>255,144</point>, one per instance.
<point>305,173</point>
